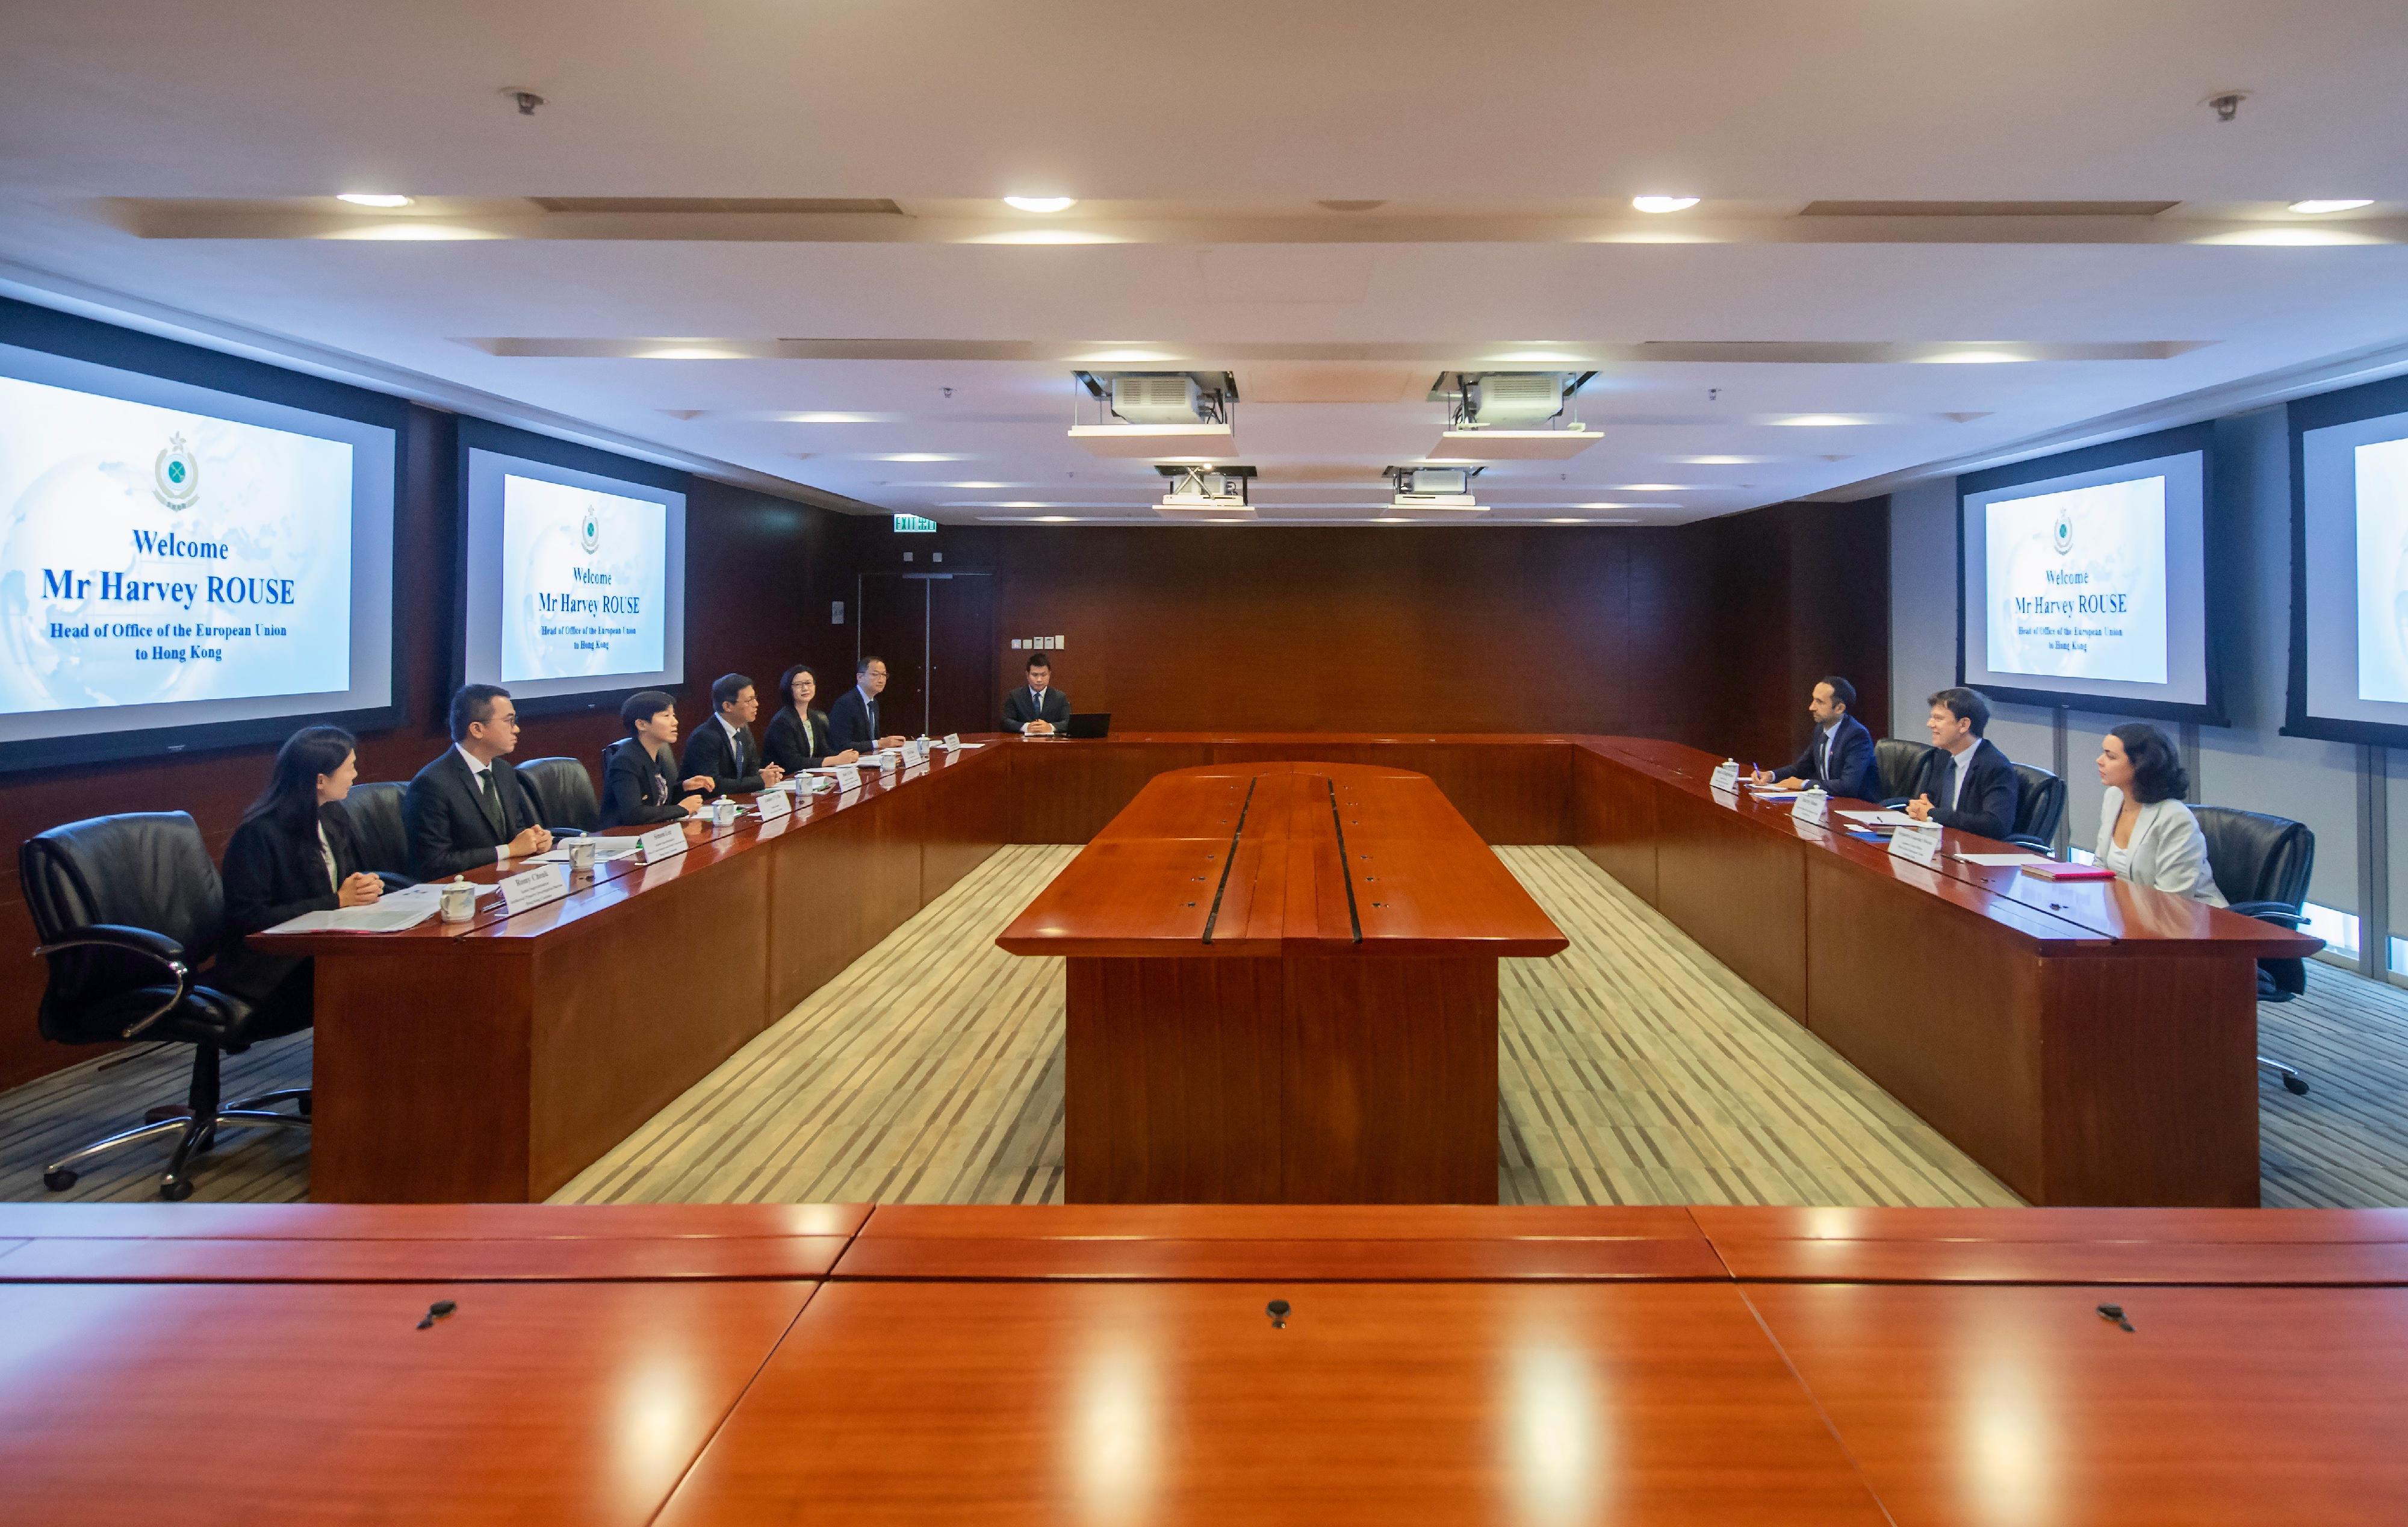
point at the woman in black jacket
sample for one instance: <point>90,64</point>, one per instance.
<point>639,770</point>
<point>294,853</point>
<point>798,735</point>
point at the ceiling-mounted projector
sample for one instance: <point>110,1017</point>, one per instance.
<point>1435,488</point>
<point>1206,493</point>
<point>1189,414</point>
<point>1511,415</point>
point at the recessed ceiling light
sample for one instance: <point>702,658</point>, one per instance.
<point>1975,358</point>
<point>1663,204</point>
<point>1623,506</point>
<point>1656,487</point>
<point>2312,208</point>
<point>1056,519</point>
<point>836,418</point>
<point>1820,421</point>
<point>1042,204</point>
<point>379,198</point>
<point>917,456</point>
<point>1720,461</point>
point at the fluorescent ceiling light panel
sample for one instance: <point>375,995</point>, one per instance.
<point>1513,444</point>
<point>379,198</point>
<point>836,418</point>
<point>1722,461</point>
<point>1042,204</point>
<point>2311,207</point>
<point>1663,204</point>
<point>1819,421</point>
<point>917,456</point>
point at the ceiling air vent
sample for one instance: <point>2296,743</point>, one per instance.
<point>783,205</point>
<point>1985,208</point>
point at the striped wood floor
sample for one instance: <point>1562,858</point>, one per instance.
<point>1635,1069</point>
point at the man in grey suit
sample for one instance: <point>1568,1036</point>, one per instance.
<point>1038,709</point>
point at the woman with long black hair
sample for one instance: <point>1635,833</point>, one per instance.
<point>294,853</point>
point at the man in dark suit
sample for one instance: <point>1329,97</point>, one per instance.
<point>1840,758</point>
<point>1038,707</point>
<point>467,807</point>
<point>722,747</point>
<point>853,720</point>
<point>1965,781</point>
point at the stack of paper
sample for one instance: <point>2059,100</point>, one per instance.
<point>391,914</point>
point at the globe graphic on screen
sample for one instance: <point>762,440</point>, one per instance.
<point>78,516</point>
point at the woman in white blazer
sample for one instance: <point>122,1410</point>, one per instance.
<point>2146,835</point>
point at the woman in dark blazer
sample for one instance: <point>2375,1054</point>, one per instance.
<point>294,853</point>
<point>798,735</point>
<point>640,783</point>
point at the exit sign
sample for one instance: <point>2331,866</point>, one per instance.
<point>914,524</point>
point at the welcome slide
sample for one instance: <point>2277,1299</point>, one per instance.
<point>582,575</point>
<point>150,555</point>
<point>2381,471</point>
<point>2076,582</point>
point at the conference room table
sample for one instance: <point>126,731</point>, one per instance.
<point>743,1364</point>
<point>2088,1044</point>
<point>1279,986</point>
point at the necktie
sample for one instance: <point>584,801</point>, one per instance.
<point>490,796</point>
<point>736,750</point>
<point>1822,756</point>
<point>1948,784</point>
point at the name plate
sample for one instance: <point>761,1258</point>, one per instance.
<point>662,842</point>
<point>848,777</point>
<point>915,752</point>
<point>534,888</point>
<point>1725,776</point>
<point>953,742</point>
<point>773,804</point>
<point>1811,806</point>
<point>1919,844</point>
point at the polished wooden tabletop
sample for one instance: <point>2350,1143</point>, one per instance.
<point>1257,859</point>
<point>989,1391</point>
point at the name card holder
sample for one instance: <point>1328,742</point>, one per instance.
<point>1919,844</point>
<point>662,842</point>
<point>1725,776</point>
<point>534,888</point>
<point>915,752</point>
<point>848,777</point>
<point>773,804</point>
<point>1811,806</point>
<point>953,742</point>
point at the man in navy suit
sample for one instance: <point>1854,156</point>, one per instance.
<point>1964,782</point>
<point>853,720</point>
<point>1840,758</point>
<point>1037,708</point>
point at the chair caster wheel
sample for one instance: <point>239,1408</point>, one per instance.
<point>59,1181</point>
<point>176,1190</point>
<point>2296,1084</point>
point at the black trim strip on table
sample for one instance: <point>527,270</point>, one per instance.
<point>1230,861</point>
<point>1345,869</point>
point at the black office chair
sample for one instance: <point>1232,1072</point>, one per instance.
<point>564,795</point>
<point>377,830</point>
<point>128,908</point>
<point>1897,760</point>
<point>2262,865</point>
<point>2039,809</point>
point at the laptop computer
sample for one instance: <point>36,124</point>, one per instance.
<point>1091,723</point>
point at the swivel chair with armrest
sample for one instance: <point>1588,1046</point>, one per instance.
<point>2039,809</point>
<point>128,909</point>
<point>564,795</point>
<point>2262,865</point>
<point>378,832</point>
<point>1897,759</point>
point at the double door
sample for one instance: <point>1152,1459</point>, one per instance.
<point>936,632</point>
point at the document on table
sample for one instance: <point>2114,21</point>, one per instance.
<point>605,849</point>
<point>1998,860</point>
<point>1880,819</point>
<point>390,914</point>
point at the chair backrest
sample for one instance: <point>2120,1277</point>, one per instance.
<point>146,870</point>
<point>2040,802</point>
<point>377,827</point>
<point>564,792</point>
<point>2257,857</point>
<point>1896,759</point>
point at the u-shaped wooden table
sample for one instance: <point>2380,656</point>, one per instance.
<point>1281,988</point>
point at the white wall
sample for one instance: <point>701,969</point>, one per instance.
<point>2247,764</point>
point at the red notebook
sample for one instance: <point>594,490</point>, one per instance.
<point>2068,871</point>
